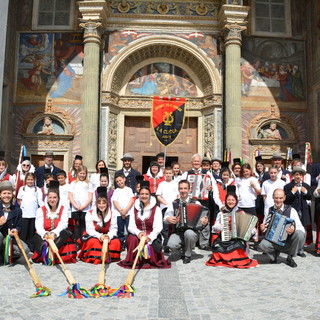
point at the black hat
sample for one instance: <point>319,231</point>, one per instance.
<point>53,184</point>
<point>206,160</point>
<point>47,171</point>
<point>102,192</point>
<point>236,160</point>
<point>225,164</point>
<point>25,158</point>
<point>145,184</point>
<point>216,159</point>
<point>296,156</point>
<point>2,154</point>
<point>258,158</point>
<point>231,189</point>
<point>78,157</point>
<point>104,170</point>
<point>139,178</point>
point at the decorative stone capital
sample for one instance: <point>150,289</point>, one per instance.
<point>93,10</point>
<point>233,34</point>
<point>92,31</point>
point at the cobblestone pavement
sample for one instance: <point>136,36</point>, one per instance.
<point>192,291</point>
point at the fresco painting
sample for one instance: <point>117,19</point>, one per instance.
<point>50,67</point>
<point>273,69</point>
<point>161,79</point>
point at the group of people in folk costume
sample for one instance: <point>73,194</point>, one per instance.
<point>79,213</point>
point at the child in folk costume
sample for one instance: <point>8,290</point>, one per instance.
<point>219,189</point>
<point>104,182</point>
<point>100,224</point>
<point>29,199</point>
<point>22,169</point>
<point>146,221</point>
<point>177,173</point>
<point>48,176</point>
<point>64,189</point>
<point>80,197</point>
<point>52,221</point>
<point>231,253</point>
<point>122,202</point>
<point>4,175</point>
<point>154,176</point>
<point>10,219</point>
<point>101,167</point>
<point>77,162</point>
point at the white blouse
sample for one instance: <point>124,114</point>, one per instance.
<point>157,221</point>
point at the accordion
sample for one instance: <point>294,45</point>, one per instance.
<point>199,184</point>
<point>276,230</point>
<point>237,225</point>
<point>189,216</point>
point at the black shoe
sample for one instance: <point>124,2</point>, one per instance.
<point>166,249</point>
<point>186,260</point>
<point>290,262</point>
<point>275,259</point>
<point>301,254</point>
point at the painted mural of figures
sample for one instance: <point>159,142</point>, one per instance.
<point>271,133</point>
<point>247,74</point>
<point>297,83</point>
<point>286,92</point>
<point>150,85</point>
<point>47,127</point>
<point>188,86</point>
<point>66,74</point>
<point>34,81</point>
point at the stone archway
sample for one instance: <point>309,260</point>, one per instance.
<point>117,106</point>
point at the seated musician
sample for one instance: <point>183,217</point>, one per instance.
<point>228,253</point>
<point>183,238</point>
<point>296,232</point>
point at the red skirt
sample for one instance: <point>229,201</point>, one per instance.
<point>91,251</point>
<point>230,254</point>
<point>156,260</point>
<point>68,253</point>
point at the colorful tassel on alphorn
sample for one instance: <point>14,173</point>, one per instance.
<point>145,253</point>
<point>8,250</point>
<point>41,292</point>
<point>47,255</point>
<point>100,290</point>
<point>125,291</point>
<point>75,291</point>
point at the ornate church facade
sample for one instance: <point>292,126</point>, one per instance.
<point>79,77</point>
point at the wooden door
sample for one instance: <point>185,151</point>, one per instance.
<point>140,141</point>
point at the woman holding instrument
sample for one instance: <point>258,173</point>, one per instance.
<point>52,221</point>
<point>231,253</point>
<point>100,224</point>
<point>146,222</point>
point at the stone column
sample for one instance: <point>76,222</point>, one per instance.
<point>233,121</point>
<point>232,22</point>
<point>90,94</point>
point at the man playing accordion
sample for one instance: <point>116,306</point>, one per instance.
<point>183,237</point>
<point>296,232</point>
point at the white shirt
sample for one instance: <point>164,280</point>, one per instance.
<point>216,195</point>
<point>268,188</point>
<point>80,191</point>
<point>95,180</point>
<point>315,193</point>
<point>31,200</point>
<point>168,191</point>
<point>63,223</point>
<point>157,221</point>
<point>247,195</point>
<point>123,197</point>
<point>92,217</point>
<point>64,196</point>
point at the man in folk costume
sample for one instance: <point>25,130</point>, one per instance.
<point>315,181</point>
<point>297,195</point>
<point>48,164</point>
<point>277,161</point>
<point>10,220</point>
<point>296,231</point>
<point>201,182</point>
<point>129,173</point>
<point>185,239</point>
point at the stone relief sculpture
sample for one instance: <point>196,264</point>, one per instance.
<point>271,133</point>
<point>47,127</point>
